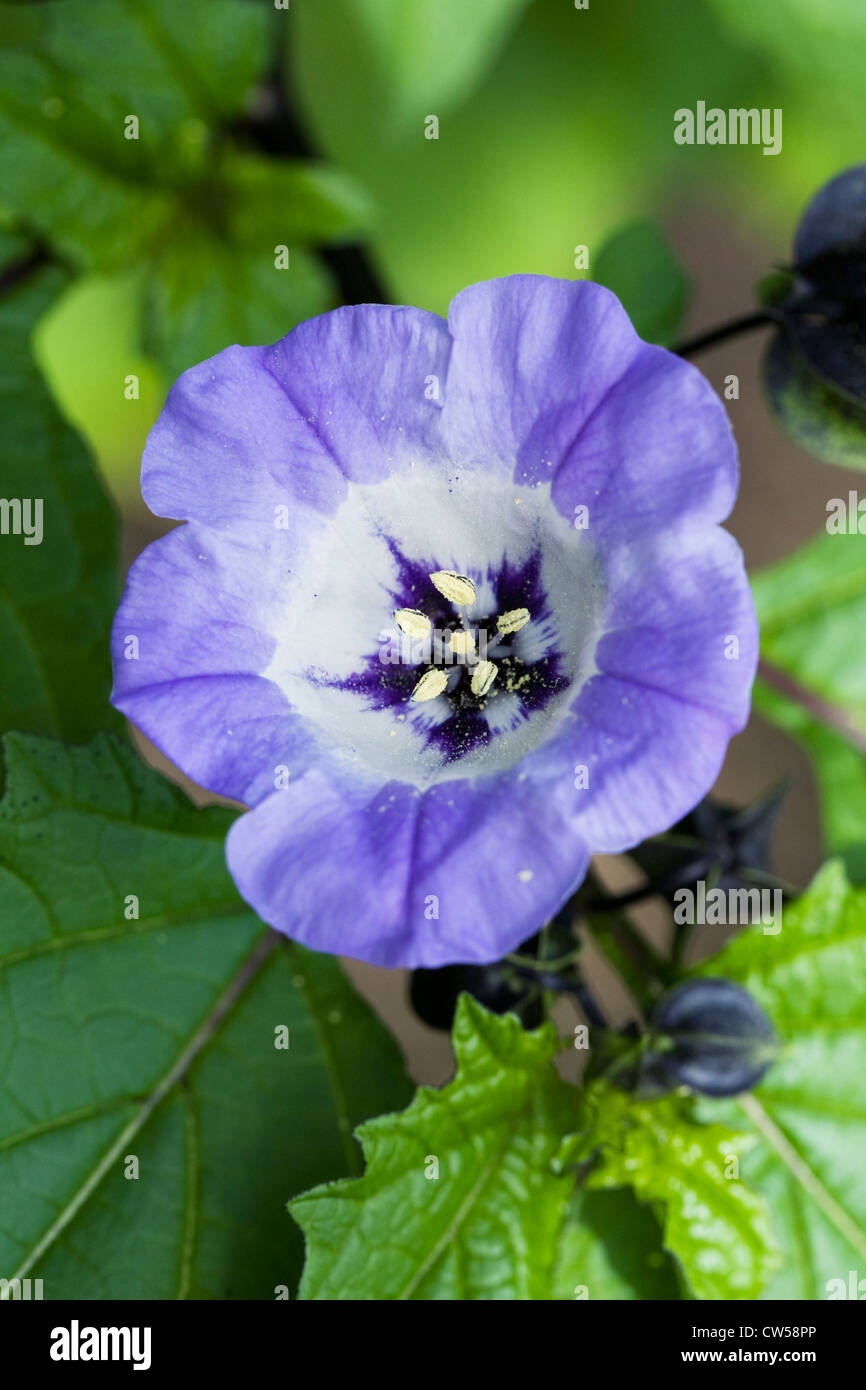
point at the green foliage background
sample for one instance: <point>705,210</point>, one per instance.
<point>153,1034</point>
<point>556,126</point>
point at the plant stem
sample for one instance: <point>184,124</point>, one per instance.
<point>823,710</point>
<point>758,319</point>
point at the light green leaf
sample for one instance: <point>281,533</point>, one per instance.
<point>840,770</point>
<point>638,265</point>
<point>715,1226</point>
<point>489,1225</point>
<point>71,75</point>
<point>816,418</point>
<point>431,56</point>
<point>809,1113</point>
<point>57,598</point>
<point>824,48</point>
<point>290,201</point>
<point>520,173</point>
<point>206,294</point>
<point>153,1038</point>
<point>810,605</point>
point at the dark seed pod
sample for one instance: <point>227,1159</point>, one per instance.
<point>711,1035</point>
<point>824,316</point>
<point>726,841</point>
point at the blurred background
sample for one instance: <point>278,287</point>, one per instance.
<point>307,125</point>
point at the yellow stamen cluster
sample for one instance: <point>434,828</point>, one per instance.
<point>460,590</point>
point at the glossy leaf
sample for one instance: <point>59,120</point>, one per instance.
<point>460,1200</point>
<point>715,1226</point>
<point>808,1117</point>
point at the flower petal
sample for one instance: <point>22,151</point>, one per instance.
<point>532,360</point>
<point>198,610</point>
<point>659,451</point>
<point>550,377</point>
<point>675,672</point>
<point>346,396</point>
<point>464,871</point>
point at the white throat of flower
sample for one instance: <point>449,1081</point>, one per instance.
<point>460,590</point>
<point>330,626</point>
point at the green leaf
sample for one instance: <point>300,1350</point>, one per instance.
<point>638,265</point>
<point>814,674</point>
<point>610,1248</point>
<point>488,1226</point>
<point>808,1116</point>
<point>826,424</point>
<point>169,193</point>
<point>714,1225</point>
<point>154,1038</point>
<point>206,294</point>
<point>840,770</point>
<point>290,201</point>
<point>57,598</point>
<point>430,57</point>
<point>68,81</point>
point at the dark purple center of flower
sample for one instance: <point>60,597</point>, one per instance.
<point>527,686</point>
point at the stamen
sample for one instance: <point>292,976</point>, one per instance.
<point>483,676</point>
<point>413,622</point>
<point>431,684</point>
<point>457,588</point>
<point>512,621</point>
<point>462,643</point>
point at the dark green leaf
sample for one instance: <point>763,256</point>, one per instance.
<point>116,123</point>
<point>153,1038</point>
<point>68,85</point>
<point>57,598</point>
<point>610,1248</point>
<point>290,201</point>
<point>637,264</point>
